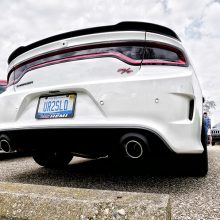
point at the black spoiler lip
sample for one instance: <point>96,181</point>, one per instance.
<point>122,26</point>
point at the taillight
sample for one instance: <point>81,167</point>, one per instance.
<point>161,54</point>
<point>133,53</point>
<point>129,52</point>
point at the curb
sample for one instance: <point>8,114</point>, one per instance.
<point>34,202</point>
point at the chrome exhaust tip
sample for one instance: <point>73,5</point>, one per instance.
<point>5,144</point>
<point>134,146</point>
<point>134,149</point>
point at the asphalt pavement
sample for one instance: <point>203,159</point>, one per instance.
<point>192,197</point>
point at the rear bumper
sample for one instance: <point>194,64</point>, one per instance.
<point>93,142</point>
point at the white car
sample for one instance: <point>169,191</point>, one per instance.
<point>125,90</point>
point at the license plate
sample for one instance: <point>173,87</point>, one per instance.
<point>50,107</point>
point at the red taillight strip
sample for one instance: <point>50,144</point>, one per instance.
<point>124,58</point>
<point>78,48</point>
<point>164,62</point>
<point>80,57</point>
<point>88,56</point>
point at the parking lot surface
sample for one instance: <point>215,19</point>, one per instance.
<point>192,197</point>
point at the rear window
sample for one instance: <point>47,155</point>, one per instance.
<point>133,53</point>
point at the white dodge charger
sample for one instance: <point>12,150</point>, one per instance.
<point>126,90</point>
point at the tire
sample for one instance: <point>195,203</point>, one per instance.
<point>200,164</point>
<point>200,161</point>
<point>195,164</point>
<point>52,159</point>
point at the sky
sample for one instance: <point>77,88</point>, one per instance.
<point>195,21</point>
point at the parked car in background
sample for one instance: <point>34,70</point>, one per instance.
<point>127,90</point>
<point>3,85</point>
<point>215,132</point>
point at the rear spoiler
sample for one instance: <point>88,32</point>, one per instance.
<point>123,26</point>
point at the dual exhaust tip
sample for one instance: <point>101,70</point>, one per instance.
<point>134,149</point>
<point>135,145</point>
<point>5,144</point>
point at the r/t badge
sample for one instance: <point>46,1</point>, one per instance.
<point>125,70</point>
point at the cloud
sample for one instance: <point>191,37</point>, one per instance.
<point>192,31</point>
<point>27,21</point>
<point>211,18</point>
<point>196,22</point>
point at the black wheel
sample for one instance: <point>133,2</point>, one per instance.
<point>213,143</point>
<point>200,161</point>
<point>195,164</point>
<point>52,159</point>
<point>199,164</point>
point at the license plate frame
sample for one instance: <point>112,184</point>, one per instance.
<point>64,113</point>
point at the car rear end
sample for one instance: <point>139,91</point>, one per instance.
<point>127,89</point>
